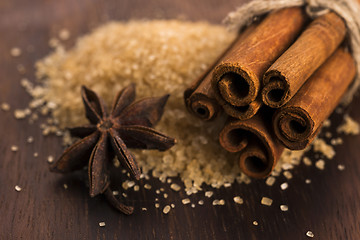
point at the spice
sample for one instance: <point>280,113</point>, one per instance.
<point>259,148</point>
<point>151,54</point>
<point>298,123</point>
<point>128,126</point>
<point>237,79</point>
<point>200,97</point>
<point>290,71</point>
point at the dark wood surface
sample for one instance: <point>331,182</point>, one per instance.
<point>329,206</point>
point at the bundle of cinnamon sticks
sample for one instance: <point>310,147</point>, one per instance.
<point>277,83</point>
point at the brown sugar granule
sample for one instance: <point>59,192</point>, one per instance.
<point>5,106</point>
<point>349,126</point>
<point>15,52</point>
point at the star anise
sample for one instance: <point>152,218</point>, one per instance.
<point>129,125</point>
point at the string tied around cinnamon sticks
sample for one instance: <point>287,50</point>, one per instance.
<point>348,10</point>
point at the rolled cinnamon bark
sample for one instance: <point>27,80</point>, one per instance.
<point>290,71</point>
<point>258,146</point>
<point>200,100</point>
<point>243,112</point>
<point>199,97</point>
<point>236,79</point>
<point>297,123</point>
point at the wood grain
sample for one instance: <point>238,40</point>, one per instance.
<point>329,206</point>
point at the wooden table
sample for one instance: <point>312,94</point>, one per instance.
<point>329,206</point>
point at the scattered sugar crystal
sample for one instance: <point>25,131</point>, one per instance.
<point>175,187</point>
<point>307,181</point>
<point>21,68</point>
<point>321,146</point>
<point>30,139</point>
<point>14,148</point>
<point>284,186</point>
<point>201,202</point>
<point>336,141</point>
<point>65,186</point>
<point>350,126</point>
<point>15,52</point>
<point>227,185</point>
<point>136,188</point>
<point>328,134</point>
<point>172,205</point>
<point>327,123</point>
<point>50,159</point>
<point>169,180</point>
<point>320,164</point>
<point>144,209</point>
<point>102,224</point>
<point>19,114</point>
<point>166,209</point>
<point>287,174</point>
<point>185,201</point>
<point>270,181</point>
<point>339,110</point>
<point>255,223</point>
<point>341,167</point>
<point>36,154</point>
<point>5,107</point>
<point>287,166</point>
<point>309,234</point>
<point>157,191</point>
<point>115,193</point>
<point>53,42</point>
<point>209,194</point>
<point>266,201</point>
<point>64,34</point>
<point>238,200</point>
<point>284,208</point>
<point>147,186</point>
<point>157,205</point>
<point>17,188</point>
<point>307,161</point>
<point>218,202</point>
<point>166,195</point>
<point>193,205</point>
<point>124,195</point>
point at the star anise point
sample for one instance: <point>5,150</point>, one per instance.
<point>128,125</point>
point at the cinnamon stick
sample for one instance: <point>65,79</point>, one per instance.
<point>285,77</point>
<point>199,97</point>
<point>297,123</point>
<point>236,80</point>
<point>243,112</point>
<point>258,146</point>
